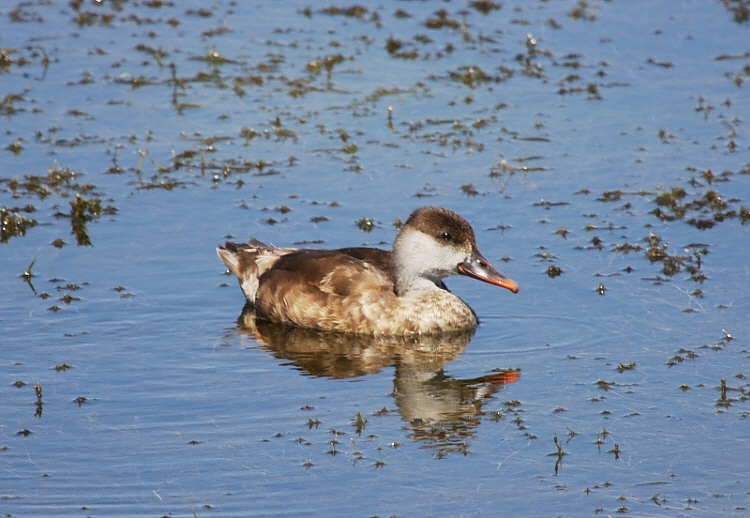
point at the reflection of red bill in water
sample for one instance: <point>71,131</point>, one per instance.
<point>500,377</point>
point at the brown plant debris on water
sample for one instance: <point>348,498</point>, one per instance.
<point>82,211</point>
<point>13,224</point>
<point>700,204</point>
<point>657,252</point>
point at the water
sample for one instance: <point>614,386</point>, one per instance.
<point>179,127</point>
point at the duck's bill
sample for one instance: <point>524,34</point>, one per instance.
<point>480,268</point>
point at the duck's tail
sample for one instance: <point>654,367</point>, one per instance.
<point>248,261</point>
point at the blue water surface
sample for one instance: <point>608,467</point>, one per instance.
<point>134,385</point>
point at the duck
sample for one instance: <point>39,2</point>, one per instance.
<point>361,290</point>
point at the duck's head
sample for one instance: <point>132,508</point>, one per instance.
<point>435,243</point>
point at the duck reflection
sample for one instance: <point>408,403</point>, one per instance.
<point>439,410</point>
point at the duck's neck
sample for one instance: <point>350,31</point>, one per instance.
<point>410,260</point>
<point>408,285</point>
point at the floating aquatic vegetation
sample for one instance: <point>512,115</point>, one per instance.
<point>82,211</point>
<point>355,11</point>
<point>473,76</point>
<point>740,10</point>
<point>396,48</point>
<point>58,180</point>
<point>88,18</point>
<point>442,21</point>
<point>675,263</point>
<point>366,224</point>
<point>158,54</point>
<point>702,209</point>
<point>485,6</point>
<point>8,105</point>
<point>13,224</point>
<point>549,204</point>
<point>327,63</point>
<point>584,11</point>
<point>698,205</point>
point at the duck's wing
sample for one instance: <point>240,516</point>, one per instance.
<point>374,256</point>
<point>326,289</point>
<point>343,272</point>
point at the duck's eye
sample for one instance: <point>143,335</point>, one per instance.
<point>446,236</point>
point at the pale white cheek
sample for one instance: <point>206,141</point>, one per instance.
<point>428,255</point>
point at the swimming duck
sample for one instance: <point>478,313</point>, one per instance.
<point>368,290</point>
